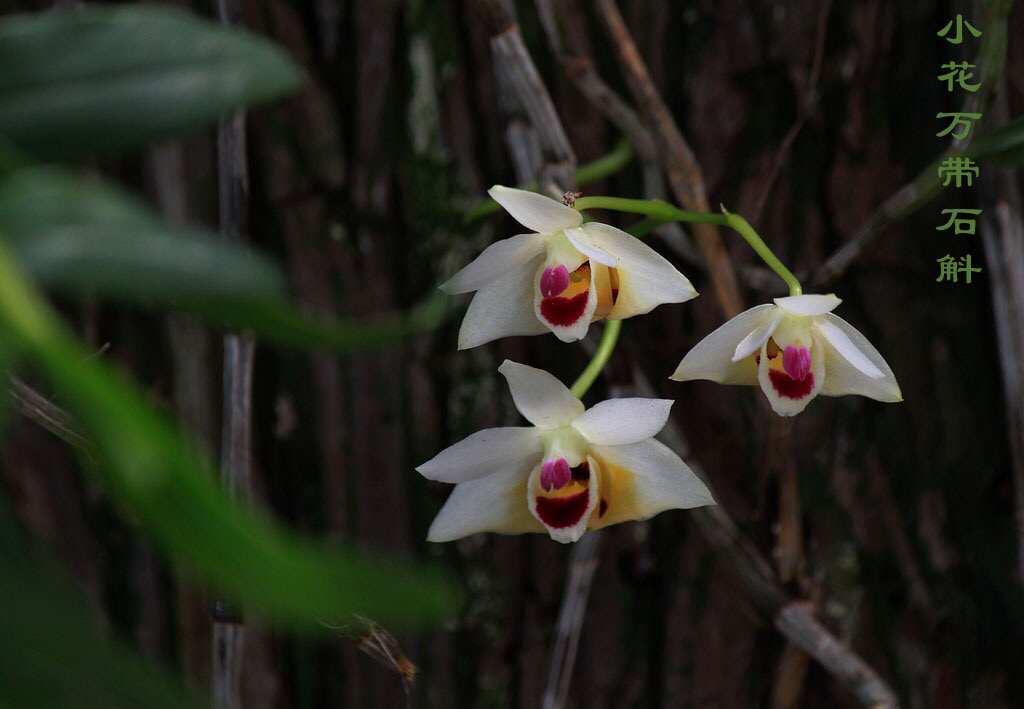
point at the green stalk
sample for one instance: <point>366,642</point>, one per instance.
<point>771,260</point>
<point>650,207</point>
<point>662,211</point>
<point>604,351</point>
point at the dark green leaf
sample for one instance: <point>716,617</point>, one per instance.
<point>1003,146</point>
<point>162,481</point>
<point>80,236</point>
<point>102,79</point>
<point>51,652</point>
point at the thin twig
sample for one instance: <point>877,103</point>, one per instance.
<point>560,19</point>
<point>523,91</point>
<point>806,104</point>
<point>684,173</point>
<point>376,642</point>
<point>236,448</point>
<point>36,407</point>
<point>794,619</point>
<point>583,563</point>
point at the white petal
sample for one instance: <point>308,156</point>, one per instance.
<point>502,309</point>
<point>539,396</point>
<point>842,344</point>
<point>484,453</point>
<point>616,422</point>
<point>792,405</point>
<point>640,480</point>
<point>496,503</point>
<point>535,211</point>
<point>496,260</point>
<point>752,342</point>
<point>587,246</point>
<point>809,304</point>
<point>577,329</point>
<point>843,377</point>
<point>646,279</point>
<point>540,506</point>
<point>711,358</point>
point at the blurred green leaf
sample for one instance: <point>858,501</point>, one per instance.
<point>81,236</point>
<point>51,652</point>
<point>1003,146</point>
<point>161,480</point>
<point>102,79</point>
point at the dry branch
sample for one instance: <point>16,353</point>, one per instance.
<point>236,443</point>
<point>794,619</point>
<point>684,173</point>
<point>527,98</point>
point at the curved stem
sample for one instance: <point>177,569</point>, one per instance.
<point>771,260</point>
<point>657,210</point>
<point>650,207</point>
<point>604,351</point>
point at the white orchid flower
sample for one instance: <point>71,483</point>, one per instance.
<point>561,278</point>
<point>573,470</point>
<point>795,349</point>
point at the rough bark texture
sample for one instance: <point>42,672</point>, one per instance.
<point>898,528</point>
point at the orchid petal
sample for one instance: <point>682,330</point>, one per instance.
<point>797,398</point>
<point>539,396</point>
<point>640,480</point>
<point>617,422</point>
<point>484,453</point>
<point>565,516</point>
<point>752,342</point>
<point>490,504</point>
<point>502,309</point>
<point>842,344</point>
<point>646,279</point>
<point>808,304</point>
<point>535,211</point>
<point>843,375</point>
<point>496,260</point>
<point>585,244</point>
<point>711,358</point>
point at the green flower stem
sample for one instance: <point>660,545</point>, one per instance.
<point>650,207</point>
<point>604,166</point>
<point>601,357</point>
<point>747,232</point>
<point>662,211</point>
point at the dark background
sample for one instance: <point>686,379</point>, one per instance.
<point>903,536</point>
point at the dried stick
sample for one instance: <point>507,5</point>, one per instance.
<point>36,407</point>
<point>566,40</point>
<point>684,173</point>
<point>794,619</point>
<point>523,92</point>
<point>582,564</point>
<point>228,631</point>
<point>1002,232</point>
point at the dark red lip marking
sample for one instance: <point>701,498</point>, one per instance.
<point>561,512</point>
<point>788,387</point>
<point>564,311</point>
